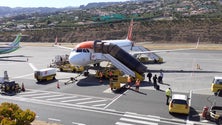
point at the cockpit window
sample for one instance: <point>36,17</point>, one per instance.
<point>82,50</point>
<point>79,50</point>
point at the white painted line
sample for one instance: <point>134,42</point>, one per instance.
<point>122,123</point>
<point>76,123</point>
<point>61,98</point>
<point>53,119</point>
<point>24,75</point>
<point>90,102</point>
<point>108,91</point>
<point>116,98</point>
<point>32,66</point>
<point>73,100</point>
<point>190,97</point>
<point>138,121</point>
<point>27,92</point>
<point>47,96</point>
<point>36,94</point>
<point>99,105</point>
<point>140,117</point>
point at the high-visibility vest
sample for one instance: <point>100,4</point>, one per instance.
<point>110,73</point>
<point>168,92</point>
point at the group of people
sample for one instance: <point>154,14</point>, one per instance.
<point>156,79</point>
<point>168,91</point>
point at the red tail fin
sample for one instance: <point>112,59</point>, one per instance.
<point>56,42</point>
<point>130,35</point>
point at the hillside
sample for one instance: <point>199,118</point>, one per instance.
<point>144,31</point>
<point>155,21</point>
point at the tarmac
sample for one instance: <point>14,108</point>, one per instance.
<point>184,71</point>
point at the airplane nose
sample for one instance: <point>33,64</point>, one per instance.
<point>74,58</point>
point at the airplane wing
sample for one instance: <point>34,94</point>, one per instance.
<point>158,51</point>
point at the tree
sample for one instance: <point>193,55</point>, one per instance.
<point>12,114</point>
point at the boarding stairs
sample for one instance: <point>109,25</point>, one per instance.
<point>152,56</point>
<point>114,61</point>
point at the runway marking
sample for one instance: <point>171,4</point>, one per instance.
<point>138,121</point>
<point>140,117</point>
<point>80,103</point>
<point>122,123</point>
<point>189,103</point>
<point>73,100</point>
<point>116,98</point>
<point>108,91</point>
<point>24,75</point>
<point>32,66</point>
<point>76,123</point>
<point>47,96</point>
<point>61,98</point>
<point>99,105</point>
<point>36,94</point>
<point>53,119</point>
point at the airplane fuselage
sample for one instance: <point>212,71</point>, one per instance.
<point>83,53</point>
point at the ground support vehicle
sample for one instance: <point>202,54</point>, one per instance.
<point>216,85</point>
<point>118,82</point>
<point>10,88</point>
<point>214,114</point>
<point>179,104</point>
<point>105,72</point>
<point>45,74</point>
<point>70,68</point>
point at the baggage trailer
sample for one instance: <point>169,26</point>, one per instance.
<point>45,74</point>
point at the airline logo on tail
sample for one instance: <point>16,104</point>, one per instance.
<point>12,46</point>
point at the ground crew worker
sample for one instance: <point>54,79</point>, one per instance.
<point>128,82</point>
<point>154,81</point>
<point>149,75</point>
<point>100,76</point>
<point>168,95</point>
<point>110,74</point>
<point>111,83</point>
<point>161,77</point>
<point>137,85</point>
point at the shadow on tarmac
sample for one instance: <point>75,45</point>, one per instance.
<point>183,71</point>
<point>194,115</point>
<point>91,81</point>
<point>46,82</point>
<point>3,58</point>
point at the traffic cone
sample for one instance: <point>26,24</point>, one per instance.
<point>23,87</point>
<point>58,85</point>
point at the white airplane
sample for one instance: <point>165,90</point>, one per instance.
<point>84,52</point>
<point>8,48</point>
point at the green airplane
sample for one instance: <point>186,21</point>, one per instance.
<point>8,48</point>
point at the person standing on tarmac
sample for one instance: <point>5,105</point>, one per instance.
<point>129,80</point>
<point>149,75</point>
<point>154,81</point>
<point>137,85</point>
<point>161,76</point>
<point>168,95</point>
<point>100,76</point>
